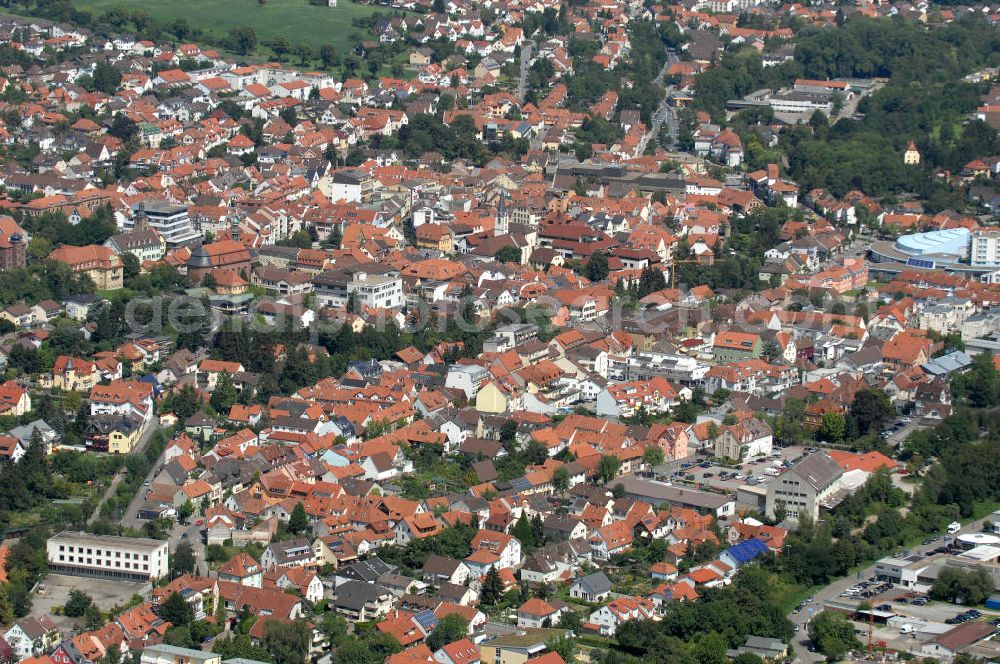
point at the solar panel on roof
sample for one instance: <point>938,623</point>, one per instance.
<point>520,484</point>
<point>920,262</point>
<point>426,620</point>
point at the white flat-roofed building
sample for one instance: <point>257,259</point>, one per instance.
<point>167,654</point>
<point>376,291</point>
<point>169,220</point>
<point>108,556</point>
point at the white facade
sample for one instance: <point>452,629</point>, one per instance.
<point>468,378</point>
<point>170,221</point>
<point>108,556</point>
<point>167,654</point>
<point>984,248</point>
<point>376,291</point>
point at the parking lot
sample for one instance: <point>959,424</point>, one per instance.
<point>54,591</point>
<point>700,472</point>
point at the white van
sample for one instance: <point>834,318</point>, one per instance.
<point>906,629</point>
<point>773,472</point>
<point>954,527</point>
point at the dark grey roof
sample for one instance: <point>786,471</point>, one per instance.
<point>356,594</point>
<point>595,583</point>
<point>365,570</point>
<point>818,470</point>
<point>440,565</point>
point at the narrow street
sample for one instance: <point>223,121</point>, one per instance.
<point>522,83</point>
<point>140,447</point>
<point>664,112</point>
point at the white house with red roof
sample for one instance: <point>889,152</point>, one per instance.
<point>506,547</point>
<point>608,618</point>
<point>462,651</point>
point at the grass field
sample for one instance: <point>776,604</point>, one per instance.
<point>297,20</point>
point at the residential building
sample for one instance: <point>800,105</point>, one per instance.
<point>101,264</point>
<point>32,636</point>
<point>375,291</point>
<point>13,244</point>
<point>591,588</point>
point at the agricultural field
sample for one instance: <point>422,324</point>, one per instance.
<point>297,20</point>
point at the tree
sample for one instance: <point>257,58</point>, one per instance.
<point>508,254</point>
<point>980,385</point>
<point>77,603</point>
<point>780,510</point>
<point>748,658</point>
<point>651,281</point>
<point>711,649</point>
<point>185,511</point>
<point>523,533</point>
<point>970,587</point>
<point>833,634</point>
<point>328,55</point>
<point>508,435</point>
<point>833,427</point>
<point>123,128</point>
<point>771,350</point>
<point>871,409</point>
<point>224,395</point>
<point>130,266</point>
<point>564,646</point>
<point>93,618</point>
<point>298,522</point>
<point>492,588</point>
<point>653,456</point>
<point>242,40</point>
<point>106,78</point>
<point>560,479</point>
<point>287,642</point>
<point>450,628</point>
<point>183,560</point>
<point>239,646</point>
<point>176,610</point>
<point>608,467</point>
<point>597,267</point>
<point>535,453</point>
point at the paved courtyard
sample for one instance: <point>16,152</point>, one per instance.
<point>54,591</point>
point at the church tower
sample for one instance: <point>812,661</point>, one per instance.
<point>501,225</point>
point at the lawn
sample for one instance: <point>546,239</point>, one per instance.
<point>297,20</point>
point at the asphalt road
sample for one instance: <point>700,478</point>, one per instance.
<point>180,532</point>
<point>800,644</point>
<point>140,446</point>
<point>130,519</point>
<point>522,83</point>
<point>664,112</point>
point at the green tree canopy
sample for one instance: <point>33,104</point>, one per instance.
<point>450,628</point>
